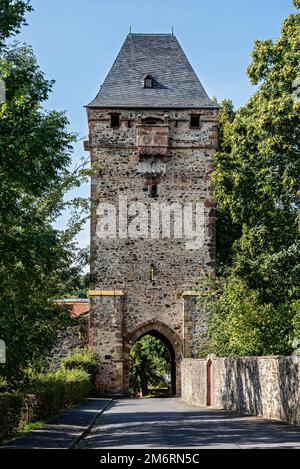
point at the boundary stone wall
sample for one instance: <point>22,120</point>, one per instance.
<point>261,386</point>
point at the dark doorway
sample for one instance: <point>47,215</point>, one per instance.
<point>152,366</point>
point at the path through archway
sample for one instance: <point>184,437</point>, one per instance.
<point>152,367</point>
<point>170,340</point>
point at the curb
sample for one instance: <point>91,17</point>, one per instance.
<point>87,430</point>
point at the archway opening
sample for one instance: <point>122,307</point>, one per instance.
<point>152,366</point>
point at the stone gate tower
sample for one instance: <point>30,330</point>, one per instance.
<point>152,137</point>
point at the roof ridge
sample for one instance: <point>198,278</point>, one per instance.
<point>151,34</point>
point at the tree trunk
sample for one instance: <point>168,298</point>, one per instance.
<point>144,382</point>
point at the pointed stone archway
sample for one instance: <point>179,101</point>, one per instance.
<point>169,337</point>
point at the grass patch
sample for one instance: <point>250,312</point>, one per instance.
<point>24,431</point>
<point>29,427</point>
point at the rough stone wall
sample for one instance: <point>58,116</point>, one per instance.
<point>73,337</point>
<point>184,177</point>
<point>106,338</point>
<point>195,325</point>
<point>193,381</point>
<point>265,386</point>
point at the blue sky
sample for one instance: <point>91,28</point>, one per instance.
<point>76,42</point>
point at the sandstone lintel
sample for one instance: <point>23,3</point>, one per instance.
<point>190,293</point>
<point>106,293</point>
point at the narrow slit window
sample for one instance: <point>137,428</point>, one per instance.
<point>152,273</point>
<point>195,121</point>
<point>154,191</point>
<point>115,120</point>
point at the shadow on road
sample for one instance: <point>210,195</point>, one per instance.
<point>157,423</point>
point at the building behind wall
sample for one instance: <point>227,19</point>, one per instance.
<point>152,136</point>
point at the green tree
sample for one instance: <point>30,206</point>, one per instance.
<point>257,189</point>
<point>37,261</point>
<point>149,362</point>
<point>240,324</point>
<point>12,17</point>
<point>227,231</point>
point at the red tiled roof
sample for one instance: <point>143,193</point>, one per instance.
<point>79,306</point>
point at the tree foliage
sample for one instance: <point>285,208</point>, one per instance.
<point>257,189</point>
<point>12,17</point>
<point>37,262</point>
<point>241,324</point>
<point>149,362</point>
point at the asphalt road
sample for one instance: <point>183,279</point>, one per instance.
<point>170,423</point>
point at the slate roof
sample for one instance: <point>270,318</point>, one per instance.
<point>176,85</point>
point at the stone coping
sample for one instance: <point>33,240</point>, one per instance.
<point>190,293</point>
<point>249,357</point>
<point>106,293</point>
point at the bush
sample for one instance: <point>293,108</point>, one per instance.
<point>30,409</point>
<point>3,385</point>
<point>77,386</point>
<point>241,325</point>
<point>48,395</point>
<point>50,390</point>
<point>82,359</point>
<point>10,414</point>
<point>58,389</point>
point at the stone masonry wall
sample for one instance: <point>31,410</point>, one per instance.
<point>193,381</point>
<point>73,337</point>
<point>264,386</point>
<point>121,264</point>
<point>195,325</point>
<point>106,338</point>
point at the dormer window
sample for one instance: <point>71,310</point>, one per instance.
<point>148,81</point>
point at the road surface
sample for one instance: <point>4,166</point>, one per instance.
<point>170,423</point>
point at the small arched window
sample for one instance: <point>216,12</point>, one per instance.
<point>148,81</point>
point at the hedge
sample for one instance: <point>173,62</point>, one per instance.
<point>59,389</point>
<point>78,386</point>
<point>83,359</point>
<point>49,394</point>
<point>10,414</point>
